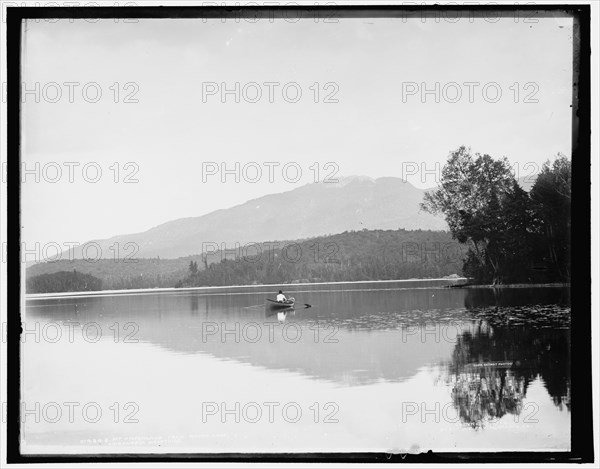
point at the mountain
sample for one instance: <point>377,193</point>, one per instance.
<point>316,209</point>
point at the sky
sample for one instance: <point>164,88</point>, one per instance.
<point>161,126</point>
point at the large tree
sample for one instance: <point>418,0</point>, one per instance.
<point>484,208</point>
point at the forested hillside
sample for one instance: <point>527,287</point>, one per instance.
<point>352,255</point>
<point>349,256</point>
<point>63,281</point>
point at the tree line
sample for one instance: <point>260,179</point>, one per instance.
<point>63,282</point>
<point>120,274</point>
<point>510,235</point>
<point>348,256</point>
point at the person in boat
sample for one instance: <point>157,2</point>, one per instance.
<point>281,297</point>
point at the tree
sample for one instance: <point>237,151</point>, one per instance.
<point>471,195</point>
<point>515,239</point>
<point>551,199</point>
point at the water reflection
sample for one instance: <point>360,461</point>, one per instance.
<point>491,368</point>
<point>487,354</point>
<point>348,337</point>
<point>352,336</point>
<point>280,314</point>
<point>483,297</point>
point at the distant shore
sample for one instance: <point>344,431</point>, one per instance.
<point>289,286</point>
<point>142,291</point>
<point>512,285</point>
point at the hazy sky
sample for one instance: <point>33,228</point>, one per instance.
<point>173,128</point>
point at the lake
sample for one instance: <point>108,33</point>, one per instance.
<point>402,366</point>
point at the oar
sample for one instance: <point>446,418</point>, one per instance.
<point>306,305</point>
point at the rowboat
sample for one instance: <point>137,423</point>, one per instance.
<point>273,304</point>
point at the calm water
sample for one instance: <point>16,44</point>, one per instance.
<point>403,366</point>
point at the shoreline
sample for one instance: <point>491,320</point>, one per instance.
<point>512,285</point>
<point>135,291</point>
<point>150,291</point>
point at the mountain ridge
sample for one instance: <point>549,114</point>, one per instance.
<point>310,210</point>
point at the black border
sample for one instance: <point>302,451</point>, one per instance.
<point>582,449</point>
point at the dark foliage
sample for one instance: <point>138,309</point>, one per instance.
<point>512,236</point>
<point>349,256</point>
<point>63,282</point>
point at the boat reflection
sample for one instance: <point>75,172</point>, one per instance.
<point>281,314</point>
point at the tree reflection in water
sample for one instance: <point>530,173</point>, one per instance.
<point>492,367</point>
